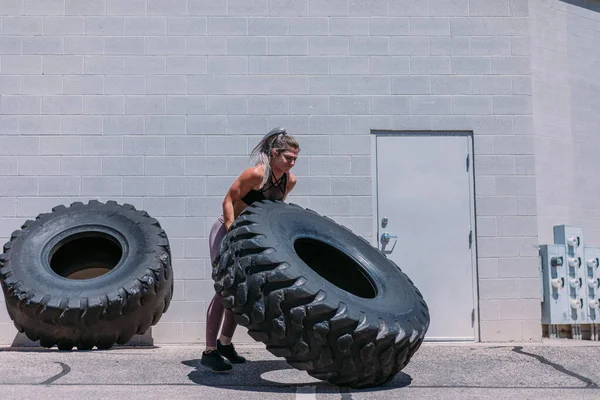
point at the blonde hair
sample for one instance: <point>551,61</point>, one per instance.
<point>277,139</point>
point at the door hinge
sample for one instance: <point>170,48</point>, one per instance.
<point>470,238</point>
<point>468,161</point>
<point>473,318</point>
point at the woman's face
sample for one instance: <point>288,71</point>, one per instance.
<point>284,160</point>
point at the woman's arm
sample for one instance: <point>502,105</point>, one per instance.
<point>250,178</point>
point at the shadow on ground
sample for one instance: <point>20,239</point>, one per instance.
<point>274,376</point>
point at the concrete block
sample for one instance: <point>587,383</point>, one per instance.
<point>245,8</point>
<point>472,26</point>
<point>247,124</point>
<point>489,310</point>
<point>19,25</point>
<point>518,8</point>
<point>485,186</point>
<point>60,145</point>
<point>308,65</point>
<point>42,84</point>
<point>491,125</point>
<point>103,105</point>
<point>488,8</point>
<point>471,65</point>
<point>42,45</point>
<point>166,7</point>
<point>451,85</point>
<point>314,144</point>
<point>227,105</point>
<point>411,122</point>
<point>84,46</point>
<point>62,105</point>
<point>186,105</point>
<point>147,26</point>
<point>431,105</point>
<point>328,46</point>
<point>457,45</point>
<point>499,247</point>
<point>268,26</point>
<point>515,105</point>
<point>313,186</point>
<point>361,205</point>
<point>165,206</point>
<point>501,205</point>
<point>430,26</point>
<point>9,125</point>
<point>330,124</point>
<point>490,46</point>
<point>267,65</point>
<point>64,26</point>
<point>254,46</point>
<point>104,65</point>
<point>207,85</point>
<point>62,65</point>
<point>411,85</point>
<point>519,309</point>
<point>34,165</point>
<point>206,124</point>
<point>144,146</point>
<point>328,9</point>
<point>527,205</point>
<point>437,65</point>
<point>361,226</point>
<point>80,166</point>
<point>21,105</point>
<point>200,166</point>
<point>331,165</point>
<point>228,26</point>
<point>350,145</point>
<point>268,105</point>
<point>85,7</point>
<point>288,8</point>
<point>145,104</point>
<point>486,227</point>
<point>509,26</point>
<point>525,165</point>
<point>219,184</point>
<point>204,8</point>
<point>471,105</point>
<point>331,205</point>
<point>370,85</point>
<point>520,46</point>
<point>59,186</point>
<point>352,105</point>
<point>515,185</point>
<point>12,7</point>
<point>105,26</point>
<point>24,185</point>
<point>344,26</point>
<point>143,186</point>
<point>289,85</point>
<point>81,124</point>
<point>349,65</point>
<point>413,46</point>
<point>124,45</point>
<point>41,124</point>
<point>145,65</point>
<point>226,145</point>
<point>299,124</point>
<point>517,144</point>
<point>123,125</point>
<point>185,146</point>
<point>409,8</point>
<point>122,166</point>
<point>309,105</point>
<point>11,45</point>
<point>203,206</point>
<point>330,85</point>
<point>491,84</point>
<point>168,45</point>
<point>369,46</point>
<point>287,46</point>
<point>445,8</point>
<point>9,165</point>
<point>102,146</point>
<point>21,65</point>
<point>390,105</point>
<point>517,226</point>
<point>368,8</point>
<point>126,7</point>
<point>164,166</point>
<point>389,26</point>
<point>488,268</point>
<point>495,165</point>
<point>227,65</point>
<point>166,84</point>
<point>125,84</point>
<point>511,65</point>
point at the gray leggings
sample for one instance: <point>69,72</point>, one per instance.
<point>216,311</point>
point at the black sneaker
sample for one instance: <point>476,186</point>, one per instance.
<point>228,351</point>
<point>214,361</point>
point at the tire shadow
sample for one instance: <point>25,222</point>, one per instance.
<point>250,376</point>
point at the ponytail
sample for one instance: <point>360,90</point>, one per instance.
<point>277,139</point>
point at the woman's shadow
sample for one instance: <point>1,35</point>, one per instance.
<point>274,376</point>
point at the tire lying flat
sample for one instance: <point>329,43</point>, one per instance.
<point>319,296</point>
<point>87,275</point>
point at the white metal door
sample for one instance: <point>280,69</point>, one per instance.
<point>425,190</point>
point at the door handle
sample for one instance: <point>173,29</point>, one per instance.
<point>385,237</point>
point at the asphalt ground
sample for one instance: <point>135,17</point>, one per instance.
<point>562,369</point>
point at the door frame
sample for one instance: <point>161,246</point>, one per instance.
<point>375,133</point>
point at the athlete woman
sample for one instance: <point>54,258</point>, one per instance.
<point>269,179</point>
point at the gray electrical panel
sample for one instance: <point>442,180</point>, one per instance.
<point>570,283</point>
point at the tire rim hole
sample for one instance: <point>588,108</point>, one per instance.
<point>335,266</point>
<point>85,256</point>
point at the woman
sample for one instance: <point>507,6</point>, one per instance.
<point>269,179</point>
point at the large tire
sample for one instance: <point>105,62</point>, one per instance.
<point>87,275</point>
<point>319,296</point>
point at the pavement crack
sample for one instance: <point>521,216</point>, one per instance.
<point>65,370</point>
<point>588,382</point>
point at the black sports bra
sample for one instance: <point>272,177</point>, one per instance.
<point>271,191</point>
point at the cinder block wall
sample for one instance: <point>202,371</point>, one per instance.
<point>566,84</point>
<point>157,103</point>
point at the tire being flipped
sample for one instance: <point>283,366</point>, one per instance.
<point>87,275</point>
<point>319,296</point>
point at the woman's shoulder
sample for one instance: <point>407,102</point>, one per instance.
<point>254,174</point>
